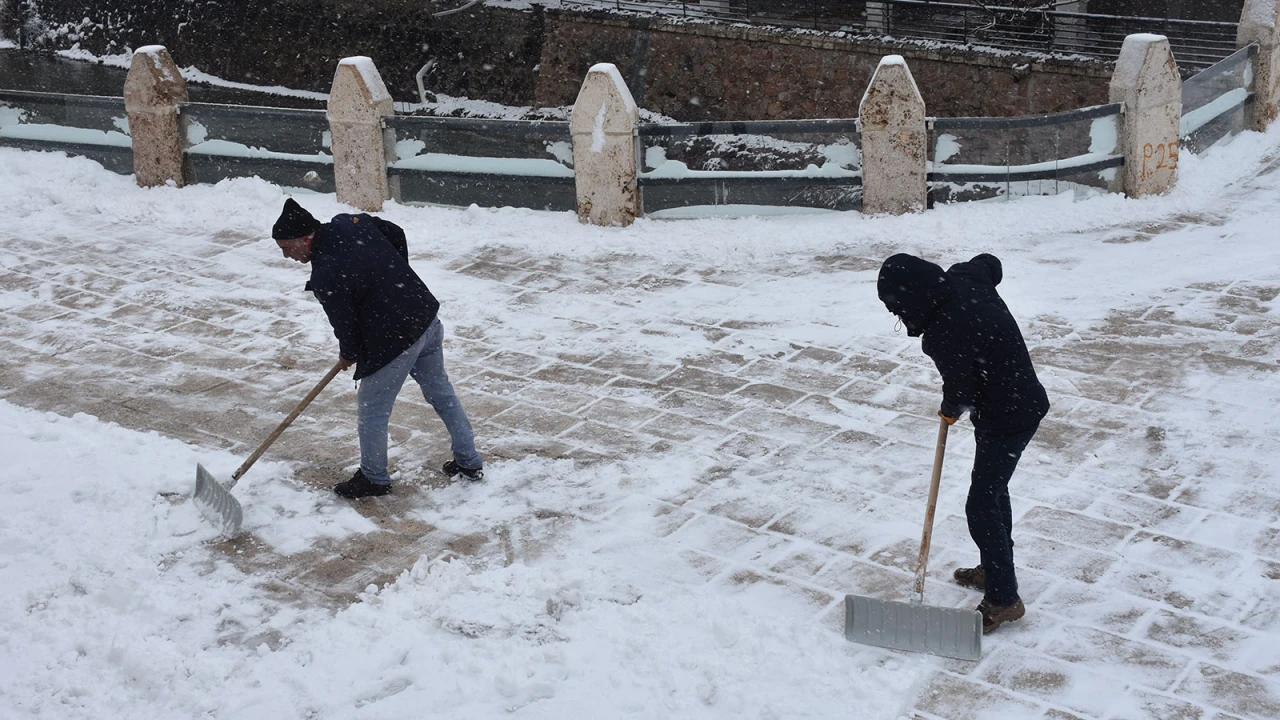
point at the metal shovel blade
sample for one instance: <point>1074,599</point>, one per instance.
<point>217,504</point>
<point>914,627</point>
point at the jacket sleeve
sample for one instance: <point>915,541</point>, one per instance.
<point>394,233</point>
<point>340,307</point>
<point>959,363</point>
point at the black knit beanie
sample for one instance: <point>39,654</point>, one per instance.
<point>294,222</point>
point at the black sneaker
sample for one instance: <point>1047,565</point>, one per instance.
<point>453,469</point>
<point>360,486</point>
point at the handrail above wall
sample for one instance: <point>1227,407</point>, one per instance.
<point>997,25</point>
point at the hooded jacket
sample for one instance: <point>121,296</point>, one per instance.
<point>376,303</point>
<point>971,337</point>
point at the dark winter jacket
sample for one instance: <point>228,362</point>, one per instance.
<point>971,336</point>
<point>377,304</point>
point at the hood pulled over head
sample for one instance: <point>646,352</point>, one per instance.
<point>912,289</point>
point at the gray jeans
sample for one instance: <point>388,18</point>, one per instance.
<point>424,362</point>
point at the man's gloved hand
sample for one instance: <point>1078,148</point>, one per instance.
<point>949,420</point>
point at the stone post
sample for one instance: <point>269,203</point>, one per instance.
<point>603,123</point>
<point>894,141</point>
<point>153,90</point>
<point>358,102</point>
<point>1260,23</point>
<point>1146,80</point>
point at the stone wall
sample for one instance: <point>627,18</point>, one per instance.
<point>686,71</point>
<point>484,53</point>
<point>723,72</point>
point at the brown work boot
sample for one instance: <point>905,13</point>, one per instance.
<point>971,578</point>
<point>993,616</point>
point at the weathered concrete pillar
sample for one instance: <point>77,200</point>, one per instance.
<point>357,103</point>
<point>1146,80</point>
<point>152,91</point>
<point>1260,23</point>
<point>894,141</point>
<point>603,124</point>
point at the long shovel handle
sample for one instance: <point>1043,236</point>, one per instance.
<point>927,536</point>
<point>235,476</point>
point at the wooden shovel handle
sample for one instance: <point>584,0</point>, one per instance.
<point>927,536</point>
<point>235,477</point>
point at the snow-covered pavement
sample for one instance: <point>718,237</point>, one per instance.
<point>700,436</point>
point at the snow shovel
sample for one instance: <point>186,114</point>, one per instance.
<point>215,500</point>
<point>914,626</point>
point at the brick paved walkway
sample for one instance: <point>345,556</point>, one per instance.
<point>1111,522</point>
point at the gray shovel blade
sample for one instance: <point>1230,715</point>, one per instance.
<point>915,627</point>
<point>217,503</point>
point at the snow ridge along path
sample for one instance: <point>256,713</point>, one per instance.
<point>701,435</point>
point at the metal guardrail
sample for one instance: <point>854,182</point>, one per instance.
<point>1028,121</point>
<point>748,127</point>
<point>100,102</point>
<point>488,162</point>
<point>1196,43</point>
<point>534,129</point>
<point>1215,101</point>
<point>831,186</point>
<point>460,161</point>
<point>284,130</point>
<point>286,146</point>
<point>90,126</point>
<point>998,129</point>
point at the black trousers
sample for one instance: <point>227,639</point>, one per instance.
<point>988,511</point>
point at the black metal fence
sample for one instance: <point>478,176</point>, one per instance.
<point>1197,44</point>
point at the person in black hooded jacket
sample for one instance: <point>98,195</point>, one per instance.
<point>384,317</point>
<point>972,338</point>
